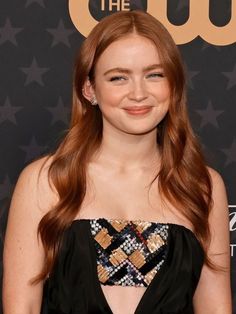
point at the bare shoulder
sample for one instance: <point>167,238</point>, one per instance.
<point>34,194</point>
<point>219,195</point>
<point>36,171</point>
<point>23,256</point>
<point>215,176</point>
<point>213,294</point>
<point>219,215</point>
<point>35,178</point>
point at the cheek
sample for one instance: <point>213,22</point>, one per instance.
<point>163,99</point>
<point>164,92</point>
<point>108,98</point>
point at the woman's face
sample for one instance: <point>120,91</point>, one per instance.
<point>129,77</point>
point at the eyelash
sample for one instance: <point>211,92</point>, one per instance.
<point>160,74</point>
<point>119,78</point>
<point>116,78</point>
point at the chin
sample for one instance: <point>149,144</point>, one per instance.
<point>140,131</point>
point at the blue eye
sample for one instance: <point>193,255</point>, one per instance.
<point>117,78</point>
<point>156,74</point>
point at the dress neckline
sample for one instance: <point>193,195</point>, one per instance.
<point>75,221</point>
<point>148,289</point>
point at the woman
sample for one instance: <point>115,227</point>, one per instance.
<point>128,216</point>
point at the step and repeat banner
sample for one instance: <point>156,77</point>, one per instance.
<point>38,43</point>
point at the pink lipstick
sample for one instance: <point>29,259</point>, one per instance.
<point>138,110</point>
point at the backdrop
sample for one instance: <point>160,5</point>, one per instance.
<point>38,42</point>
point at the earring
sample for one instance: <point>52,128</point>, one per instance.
<point>94,101</point>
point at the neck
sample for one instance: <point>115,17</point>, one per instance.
<point>126,152</point>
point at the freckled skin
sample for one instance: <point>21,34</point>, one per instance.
<point>141,83</point>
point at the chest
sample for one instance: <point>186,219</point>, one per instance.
<point>127,196</point>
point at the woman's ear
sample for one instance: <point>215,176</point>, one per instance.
<point>88,90</point>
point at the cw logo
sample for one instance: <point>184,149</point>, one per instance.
<point>198,23</point>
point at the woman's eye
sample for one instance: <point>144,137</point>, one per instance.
<point>156,75</point>
<point>117,78</point>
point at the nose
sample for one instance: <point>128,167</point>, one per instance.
<point>138,91</point>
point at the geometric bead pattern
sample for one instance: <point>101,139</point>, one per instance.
<point>129,252</point>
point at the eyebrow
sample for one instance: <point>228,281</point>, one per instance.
<point>127,71</point>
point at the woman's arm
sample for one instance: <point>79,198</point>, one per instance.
<point>213,293</point>
<point>23,255</point>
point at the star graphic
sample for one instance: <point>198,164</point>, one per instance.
<point>230,153</point>
<point>190,75</point>
<point>33,150</point>
<point>231,76</point>
<point>40,2</point>
<point>59,112</point>
<point>34,73</point>
<point>60,34</point>
<point>8,33</point>
<point>209,115</point>
<point>6,188</point>
<point>7,112</point>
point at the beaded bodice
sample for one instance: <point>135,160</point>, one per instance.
<point>129,252</point>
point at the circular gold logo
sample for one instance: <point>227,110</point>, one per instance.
<point>198,11</point>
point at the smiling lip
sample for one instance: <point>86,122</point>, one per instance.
<point>138,110</point>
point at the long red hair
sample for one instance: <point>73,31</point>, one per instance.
<point>183,177</point>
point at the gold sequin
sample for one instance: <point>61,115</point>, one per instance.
<point>149,276</point>
<point>117,256</point>
<point>103,238</point>
<point>137,258</point>
<point>119,224</point>
<point>154,242</point>
<point>142,225</point>
<point>103,274</point>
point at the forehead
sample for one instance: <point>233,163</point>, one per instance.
<point>129,51</point>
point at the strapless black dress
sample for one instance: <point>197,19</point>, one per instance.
<point>164,257</point>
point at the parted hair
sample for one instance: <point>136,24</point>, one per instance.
<point>183,178</point>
